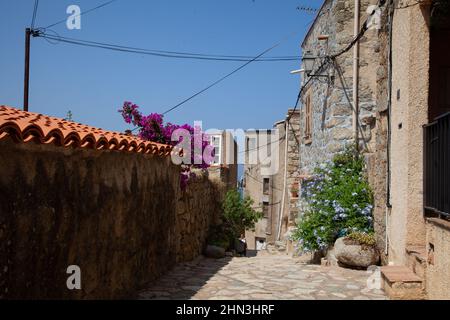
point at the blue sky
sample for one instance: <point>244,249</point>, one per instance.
<point>93,83</point>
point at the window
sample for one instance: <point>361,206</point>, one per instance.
<point>251,150</point>
<point>266,185</point>
<point>308,120</point>
<point>251,144</point>
<point>265,209</point>
<point>216,143</point>
<point>266,142</point>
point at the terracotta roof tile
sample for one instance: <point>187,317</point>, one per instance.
<point>24,126</point>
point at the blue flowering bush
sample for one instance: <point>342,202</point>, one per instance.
<point>339,201</point>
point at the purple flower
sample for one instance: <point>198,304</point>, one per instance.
<point>152,128</point>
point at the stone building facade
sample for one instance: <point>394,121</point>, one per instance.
<point>403,94</point>
<point>418,227</point>
<point>224,170</point>
<point>273,193</point>
<point>327,95</point>
<point>330,95</point>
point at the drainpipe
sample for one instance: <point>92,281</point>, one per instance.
<point>281,213</point>
<point>356,75</point>
<point>388,144</point>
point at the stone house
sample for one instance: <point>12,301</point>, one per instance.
<point>327,91</point>
<point>336,110</point>
<point>225,165</point>
<point>272,190</point>
<point>416,90</point>
<point>397,111</point>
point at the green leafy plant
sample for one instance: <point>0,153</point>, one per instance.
<point>221,236</point>
<point>337,202</point>
<point>238,213</point>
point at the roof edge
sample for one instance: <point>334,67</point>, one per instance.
<point>24,126</point>
<point>314,22</point>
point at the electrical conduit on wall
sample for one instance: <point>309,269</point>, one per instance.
<point>356,74</point>
<point>281,212</point>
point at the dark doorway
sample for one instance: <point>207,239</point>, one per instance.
<point>439,99</point>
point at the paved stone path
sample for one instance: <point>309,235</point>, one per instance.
<point>261,277</point>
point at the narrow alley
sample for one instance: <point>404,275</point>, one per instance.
<point>263,276</point>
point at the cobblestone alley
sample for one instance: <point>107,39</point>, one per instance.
<point>261,277</point>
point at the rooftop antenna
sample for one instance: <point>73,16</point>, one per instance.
<point>307,9</point>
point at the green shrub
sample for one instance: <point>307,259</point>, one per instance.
<point>238,213</point>
<point>337,202</point>
<point>221,236</point>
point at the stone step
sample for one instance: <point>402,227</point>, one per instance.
<point>401,283</point>
<point>417,260</point>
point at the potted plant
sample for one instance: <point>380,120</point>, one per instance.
<point>357,250</point>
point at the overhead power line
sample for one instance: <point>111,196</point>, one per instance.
<point>361,33</point>
<point>163,53</point>
<point>84,12</point>
<point>223,78</point>
<point>35,9</point>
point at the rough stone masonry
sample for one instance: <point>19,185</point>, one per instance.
<point>121,217</point>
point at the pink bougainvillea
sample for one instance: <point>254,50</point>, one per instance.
<point>152,128</point>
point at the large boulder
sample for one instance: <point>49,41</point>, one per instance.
<point>214,252</point>
<point>355,255</point>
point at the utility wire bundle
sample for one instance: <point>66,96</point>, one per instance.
<point>162,53</point>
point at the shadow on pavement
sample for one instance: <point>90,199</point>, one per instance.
<point>251,253</point>
<point>184,280</point>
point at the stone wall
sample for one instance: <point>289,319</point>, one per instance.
<point>438,264</point>
<point>293,162</point>
<point>409,112</point>
<point>121,217</point>
<point>197,209</point>
<point>331,99</point>
<point>378,165</point>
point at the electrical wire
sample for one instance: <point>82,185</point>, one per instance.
<point>257,180</point>
<point>84,12</point>
<point>163,53</point>
<point>290,115</point>
<point>344,86</point>
<point>361,33</point>
<point>262,146</point>
<point>35,9</point>
<point>223,78</point>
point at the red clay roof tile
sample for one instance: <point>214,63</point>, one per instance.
<point>24,126</point>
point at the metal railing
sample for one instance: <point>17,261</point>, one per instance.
<point>437,166</point>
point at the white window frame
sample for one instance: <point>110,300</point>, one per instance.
<point>211,141</point>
